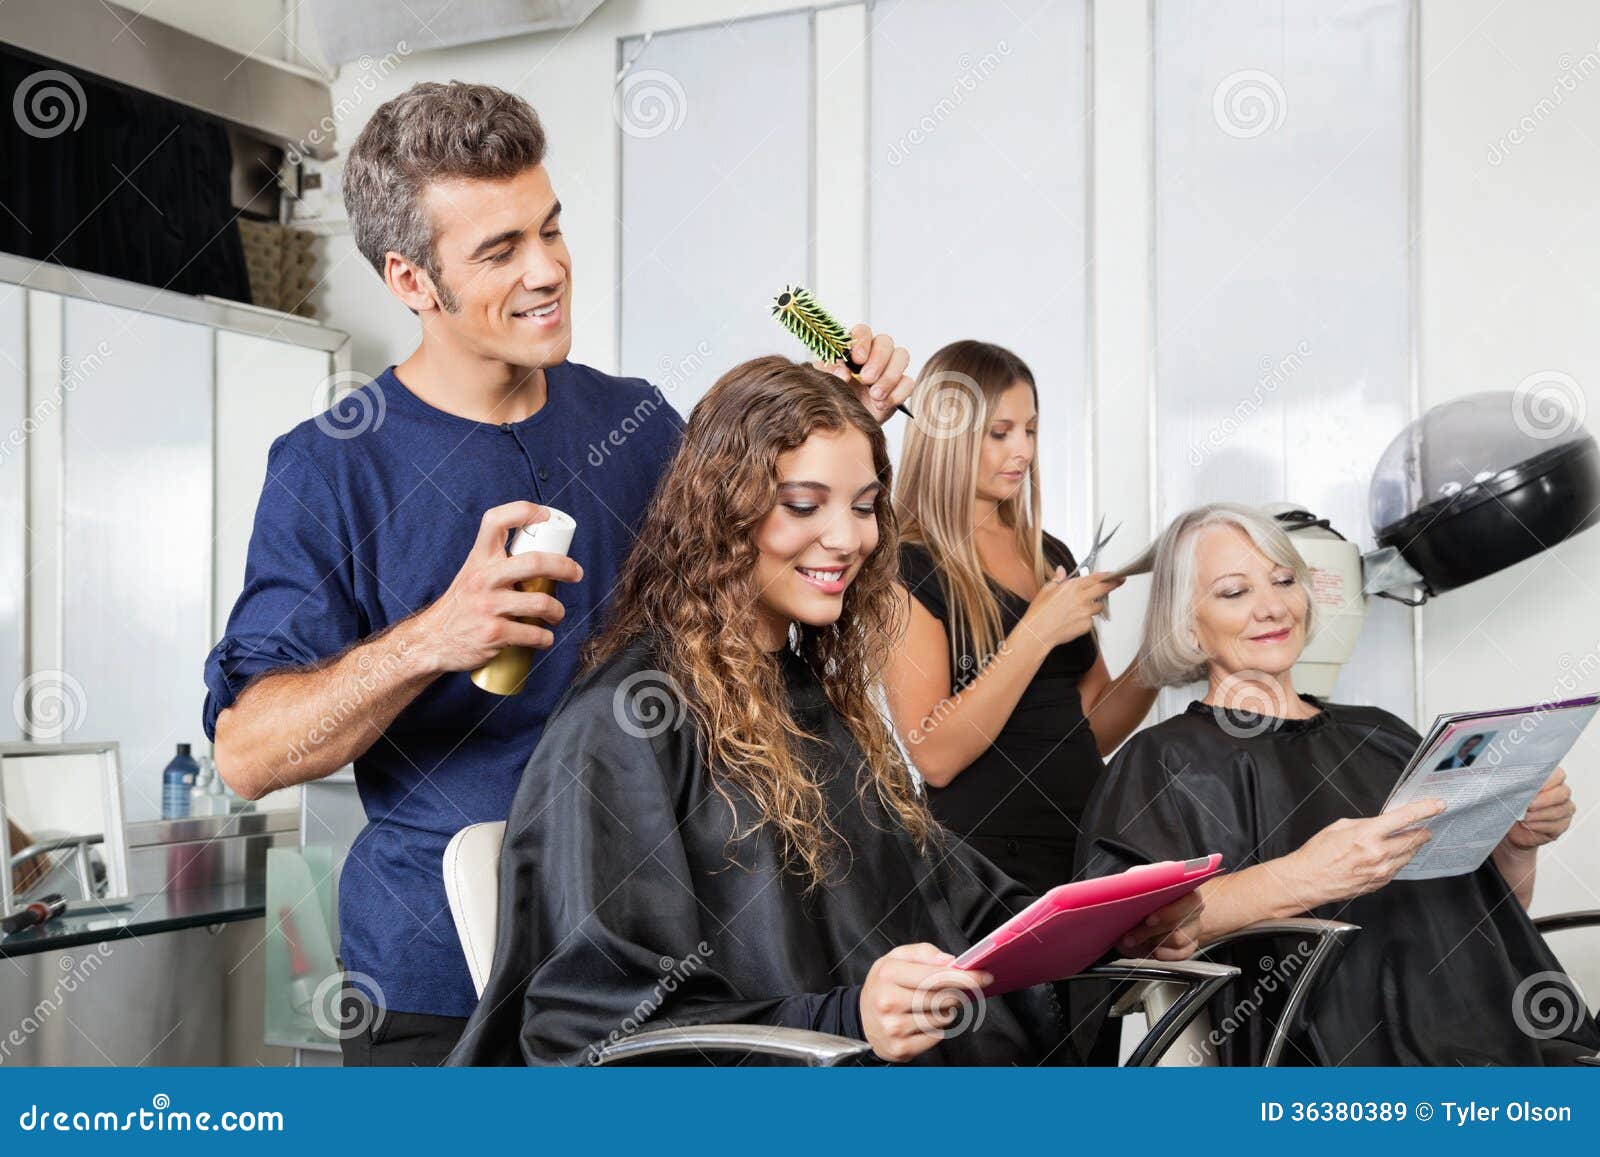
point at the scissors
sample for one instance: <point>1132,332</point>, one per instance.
<point>1100,539</point>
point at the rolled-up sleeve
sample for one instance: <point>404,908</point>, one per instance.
<point>298,605</point>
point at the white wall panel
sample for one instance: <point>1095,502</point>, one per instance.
<point>137,503</point>
<point>715,127</point>
<point>1282,269</point>
<point>979,204</point>
<point>13,497</point>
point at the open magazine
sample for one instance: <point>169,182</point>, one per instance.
<point>1487,766</point>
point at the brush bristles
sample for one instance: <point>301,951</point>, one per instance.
<point>798,312</point>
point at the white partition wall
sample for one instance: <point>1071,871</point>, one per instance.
<point>1282,269</point>
<point>922,165</point>
<point>136,560</point>
<point>264,388</point>
<point>715,131</point>
<point>13,497</point>
<point>978,219</point>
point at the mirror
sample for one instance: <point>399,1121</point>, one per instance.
<point>61,826</point>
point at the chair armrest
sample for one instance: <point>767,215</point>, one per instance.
<point>1201,979</point>
<point>796,1044</point>
<point>1331,937</point>
<point>1562,921</point>
<point>1336,930</point>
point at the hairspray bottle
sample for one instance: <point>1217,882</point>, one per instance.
<point>506,672</point>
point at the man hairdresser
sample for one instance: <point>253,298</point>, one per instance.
<point>378,575</point>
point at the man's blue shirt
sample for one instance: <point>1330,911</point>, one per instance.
<point>367,514</point>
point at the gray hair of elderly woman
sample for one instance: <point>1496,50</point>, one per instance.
<point>1169,656</point>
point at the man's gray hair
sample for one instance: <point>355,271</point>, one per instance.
<point>1169,656</point>
<point>431,132</point>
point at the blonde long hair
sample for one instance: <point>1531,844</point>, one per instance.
<point>938,481</point>
<point>689,588</point>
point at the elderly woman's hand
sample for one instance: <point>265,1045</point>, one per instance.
<point>1353,857</point>
<point>1548,816</point>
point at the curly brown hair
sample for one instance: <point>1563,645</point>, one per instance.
<point>688,588</point>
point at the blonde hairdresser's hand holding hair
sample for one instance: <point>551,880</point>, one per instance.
<point>1065,607</point>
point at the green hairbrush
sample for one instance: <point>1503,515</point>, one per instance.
<point>798,312</point>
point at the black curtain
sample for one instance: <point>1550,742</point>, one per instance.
<point>113,181</point>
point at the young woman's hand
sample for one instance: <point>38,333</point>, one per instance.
<point>1169,933</point>
<point>1065,607</point>
<point>1353,857</point>
<point>1548,816</point>
<point>912,997</point>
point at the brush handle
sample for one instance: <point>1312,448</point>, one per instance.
<point>855,371</point>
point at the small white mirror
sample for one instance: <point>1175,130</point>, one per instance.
<point>61,827</point>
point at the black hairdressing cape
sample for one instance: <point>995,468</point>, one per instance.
<point>1433,977</point>
<point>621,910</point>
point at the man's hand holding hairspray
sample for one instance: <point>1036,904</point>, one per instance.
<point>501,607</point>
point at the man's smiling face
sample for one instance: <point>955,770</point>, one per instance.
<point>505,276</point>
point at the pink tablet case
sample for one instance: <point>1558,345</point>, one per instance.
<point>1073,925</point>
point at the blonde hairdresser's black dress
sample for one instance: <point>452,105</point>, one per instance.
<point>1443,972</point>
<point>1021,800</point>
<point>627,905</point>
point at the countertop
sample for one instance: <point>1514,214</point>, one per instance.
<point>90,922</point>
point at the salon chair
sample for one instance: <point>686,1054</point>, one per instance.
<point>1303,952</point>
<point>472,886</point>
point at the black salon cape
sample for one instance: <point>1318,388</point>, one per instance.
<point>620,909</point>
<point>1432,977</point>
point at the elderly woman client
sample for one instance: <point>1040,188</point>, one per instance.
<point>1289,790</point>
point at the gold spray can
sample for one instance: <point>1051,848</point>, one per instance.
<point>508,671</point>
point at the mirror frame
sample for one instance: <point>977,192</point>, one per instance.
<point>114,848</point>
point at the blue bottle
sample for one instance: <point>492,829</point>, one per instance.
<point>176,782</point>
